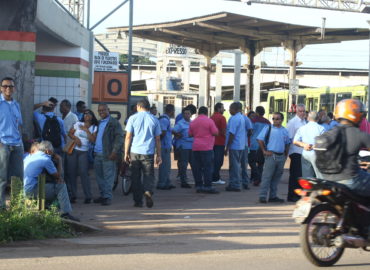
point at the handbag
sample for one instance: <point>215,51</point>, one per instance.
<point>68,148</point>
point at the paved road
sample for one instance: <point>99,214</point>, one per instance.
<point>184,230</point>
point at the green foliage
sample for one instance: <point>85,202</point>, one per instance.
<point>22,222</point>
<point>123,58</point>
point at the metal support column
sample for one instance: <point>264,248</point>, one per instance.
<point>218,96</point>
<point>238,57</point>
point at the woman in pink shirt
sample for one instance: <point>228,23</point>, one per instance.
<point>204,130</point>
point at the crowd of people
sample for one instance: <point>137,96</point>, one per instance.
<point>64,148</point>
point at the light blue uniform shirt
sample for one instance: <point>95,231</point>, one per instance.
<point>279,137</point>
<point>166,141</point>
<point>326,126</point>
<point>236,126</point>
<point>99,137</point>
<point>333,123</point>
<point>33,166</point>
<point>257,128</point>
<point>10,119</point>
<point>248,126</point>
<point>185,142</point>
<point>308,133</point>
<point>145,127</point>
<point>41,119</point>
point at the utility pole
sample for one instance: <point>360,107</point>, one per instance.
<point>76,8</point>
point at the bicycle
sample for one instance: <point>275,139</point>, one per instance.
<point>123,175</point>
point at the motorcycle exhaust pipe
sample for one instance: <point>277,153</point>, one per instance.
<point>350,241</point>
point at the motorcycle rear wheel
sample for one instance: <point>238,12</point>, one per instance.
<point>317,247</point>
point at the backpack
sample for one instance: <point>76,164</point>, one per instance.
<point>330,149</point>
<point>51,131</point>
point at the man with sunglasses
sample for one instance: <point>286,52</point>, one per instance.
<point>11,147</point>
<point>274,142</point>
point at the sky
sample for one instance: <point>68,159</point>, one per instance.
<point>349,54</point>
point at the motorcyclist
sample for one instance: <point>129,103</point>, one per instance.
<point>349,113</point>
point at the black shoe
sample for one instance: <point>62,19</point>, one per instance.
<point>69,216</point>
<point>246,187</point>
<point>138,204</point>
<point>293,199</point>
<point>232,189</point>
<point>256,183</point>
<point>262,200</point>
<point>210,191</point>
<point>98,200</point>
<point>185,185</point>
<point>276,199</point>
<point>199,190</point>
<point>106,201</point>
<point>171,186</point>
<point>148,199</point>
<point>87,201</point>
<point>72,200</point>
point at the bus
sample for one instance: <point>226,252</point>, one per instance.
<point>315,99</point>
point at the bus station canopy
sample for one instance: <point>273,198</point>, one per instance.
<point>235,25</point>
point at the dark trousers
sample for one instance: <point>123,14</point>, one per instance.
<point>202,168</point>
<point>185,159</point>
<point>256,166</point>
<point>142,165</point>
<point>218,152</point>
<point>295,172</point>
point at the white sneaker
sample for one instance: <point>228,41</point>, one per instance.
<point>219,182</point>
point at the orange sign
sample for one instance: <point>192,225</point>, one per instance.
<point>110,87</point>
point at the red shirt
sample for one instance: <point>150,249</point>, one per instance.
<point>220,122</point>
<point>202,129</point>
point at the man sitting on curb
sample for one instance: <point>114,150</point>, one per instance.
<point>42,162</point>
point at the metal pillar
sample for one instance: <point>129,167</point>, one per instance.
<point>131,19</point>
<point>256,80</point>
<point>218,96</point>
<point>368,86</point>
<point>186,75</point>
<point>250,52</point>
<point>237,69</point>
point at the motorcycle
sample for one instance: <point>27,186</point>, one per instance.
<point>332,218</point>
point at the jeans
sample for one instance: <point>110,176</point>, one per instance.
<point>235,176</point>
<point>256,166</point>
<point>202,169</point>
<point>105,173</point>
<point>141,164</point>
<point>52,191</point>
<point>164,169</point>
<point>360,184</point>
<point>11,164</point>
<point>218,152</point>
<point>243,164</point>
<point>271,176</point>
<point>185,159</point>
<point>295,172</point>
<point>78,164</point>
<point>309,168</point>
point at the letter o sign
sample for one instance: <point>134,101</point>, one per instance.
<point>117,90</point>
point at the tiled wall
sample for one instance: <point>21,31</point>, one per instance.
<point>73,89</point>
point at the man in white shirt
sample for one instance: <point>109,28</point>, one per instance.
<point>295,152</point>
<point>69,118</point>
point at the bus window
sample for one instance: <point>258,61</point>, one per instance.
<point>280,105</point>
<point>301,99</point>
<point>327,102</point>
<point>271,107</point>
<point>312,104</point>
<point>341,96</point>
<point>359,98</point>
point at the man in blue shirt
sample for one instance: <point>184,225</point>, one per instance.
<point>256,159</point>
<point>275,152</point>
<point>55,188</point>
<point>142,139</point>
<point>108,151</point>
<point>244,160</point>
<point>80,109</point>
<point>164,181</point>
<point>11,147</point>
<point>235,145</point>
<point>305,138</point>
<point>41,118</point>
<point>184,145</point>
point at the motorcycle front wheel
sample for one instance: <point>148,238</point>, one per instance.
<point>315,236</point>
